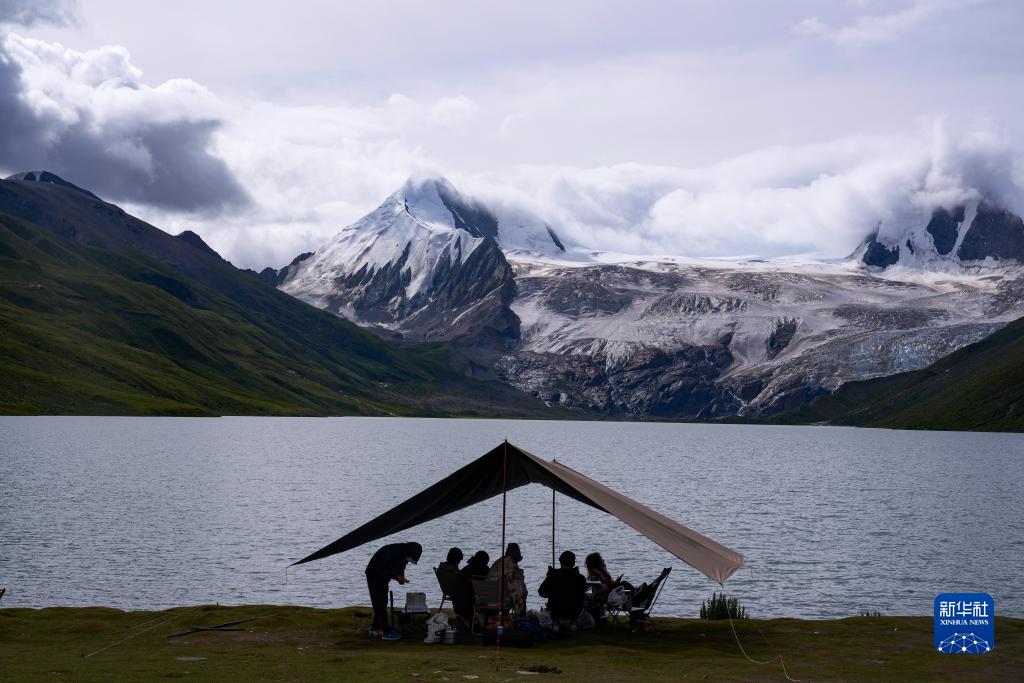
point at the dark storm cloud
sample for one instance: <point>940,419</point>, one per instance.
<point>141,157</point>
<point>32,12</point>
<point>20,132</point>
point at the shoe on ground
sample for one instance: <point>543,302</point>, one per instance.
<point>392,635</point>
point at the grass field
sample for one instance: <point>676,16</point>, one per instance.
<point>304,644</point>
<point>90,331</point>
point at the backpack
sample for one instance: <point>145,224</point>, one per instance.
<point>617,598</point>
<point>585,622</point>
<point>437,626</point>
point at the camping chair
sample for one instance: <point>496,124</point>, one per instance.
<point>616,612</point>
<point>485,600</point>
<point>643,604</point>
<point>446,581</point>
<point>364,619</point>
<point>415,612</point>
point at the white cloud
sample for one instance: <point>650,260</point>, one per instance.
<point>315,170</point>
<point>868,29</point>
<point>399,100</point>
<point>33,12</point>
<point>813,26</point>
<point>453,111</point>
<point>821,198</point>
<point>89,116</point>
<point>638,144</point>
<point>309,170</point>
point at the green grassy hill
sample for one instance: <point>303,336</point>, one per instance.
<point>979,387</point>
<point>101,313</point>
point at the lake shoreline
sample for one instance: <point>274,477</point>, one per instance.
<point>567,415</point>
<point>302,643</point>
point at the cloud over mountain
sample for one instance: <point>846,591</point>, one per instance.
<point>32,12</point>
<point>89,116</point>
<point>731,132</point>
<point>823,198</point>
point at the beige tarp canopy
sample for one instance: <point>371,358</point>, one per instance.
<point>507,467</point>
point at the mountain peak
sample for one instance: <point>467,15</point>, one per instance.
<point>976,233</point>
<point>435,200</point>
<point>431,184</point>
<point>48,177</point>
<point>194,240</point>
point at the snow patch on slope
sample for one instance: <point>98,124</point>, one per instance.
<point>413,225</point>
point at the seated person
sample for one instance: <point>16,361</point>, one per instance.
<point>564,588</point>
<point>601,581</point>
<point>449,569</point>
<point>462,601</point>
<point>516,580</point>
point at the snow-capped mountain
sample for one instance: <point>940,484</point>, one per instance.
<point>428,264</point>
<point>667,336</point>
<point>704,339</point>
<point>978,233</point>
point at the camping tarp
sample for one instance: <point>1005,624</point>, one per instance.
<point>507,467</point>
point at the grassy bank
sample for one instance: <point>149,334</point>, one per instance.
<point>304,644</point>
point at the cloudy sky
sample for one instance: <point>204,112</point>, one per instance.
<point>707,127</point>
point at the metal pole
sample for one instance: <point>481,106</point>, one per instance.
<point>501,581</point>
<point>552,527</point>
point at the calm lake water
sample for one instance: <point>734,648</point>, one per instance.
<point>157,512</point>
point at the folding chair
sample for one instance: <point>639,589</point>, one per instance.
<point>447,576</point>
<point>485,601</point>
<point>644,603</point>
<point>415,607</point>
<point>416,603</point>
<point>621,611</point>
<point>364,619</point>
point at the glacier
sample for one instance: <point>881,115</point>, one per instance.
<point>666,335</point>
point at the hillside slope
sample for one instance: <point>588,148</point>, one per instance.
<point>979,387</point>
<point>101,313</point>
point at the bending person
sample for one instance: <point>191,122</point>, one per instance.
<point>388,564</point>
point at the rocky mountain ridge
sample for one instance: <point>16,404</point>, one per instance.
<point>668,336</point>
<point>428,264</point>
<point>979,234</point>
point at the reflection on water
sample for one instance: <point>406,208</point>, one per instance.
<point>155,512</point>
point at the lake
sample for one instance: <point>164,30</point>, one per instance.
<point>154,512</point>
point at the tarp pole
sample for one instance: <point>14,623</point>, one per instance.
<point>552,527</point>
<point>501,581</point>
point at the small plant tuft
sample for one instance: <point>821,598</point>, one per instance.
<point>722,607</point>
